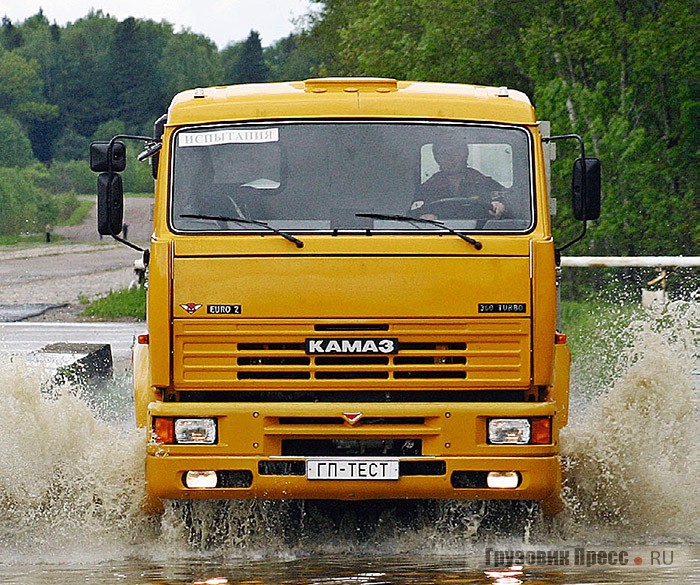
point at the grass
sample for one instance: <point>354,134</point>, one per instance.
<point>9,240</point>
<point>78,215</point>
<point>122,304</point>
<point>585,321</point>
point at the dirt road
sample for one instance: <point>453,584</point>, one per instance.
<point>77,267</point>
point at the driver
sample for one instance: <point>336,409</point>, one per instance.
<point>456,180</point>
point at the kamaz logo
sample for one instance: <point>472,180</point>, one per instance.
<point>384,345</point>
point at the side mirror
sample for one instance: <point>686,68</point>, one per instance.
<point>99,157</point>
<point>585,187</point>
<point>110,204</point>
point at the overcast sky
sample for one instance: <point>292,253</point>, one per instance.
<point>223,21</point>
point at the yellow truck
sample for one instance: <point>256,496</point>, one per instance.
<point>352,292</point>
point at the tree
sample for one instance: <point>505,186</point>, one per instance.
<point>136,79</point>
<point>291,58</point>
<point>81,89</point>
<point>618,73</point>
<point>189,60</point>
<point>21,96</point>
<point>244,62</point>
<point>15,147</point>
<point>11,37</point>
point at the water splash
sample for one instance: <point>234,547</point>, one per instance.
<point>72,482</point>
<point>631,451</point>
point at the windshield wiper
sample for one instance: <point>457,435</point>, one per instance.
<point>407,218</point>
<point>296,241</point>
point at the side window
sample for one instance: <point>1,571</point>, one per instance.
<point>492,160</point>
<point>428,164</point>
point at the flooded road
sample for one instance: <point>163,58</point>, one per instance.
<point>71,486</point>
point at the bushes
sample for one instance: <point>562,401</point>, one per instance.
<point>34,196</point>
<point>27,204</point>
<point>20,201</point>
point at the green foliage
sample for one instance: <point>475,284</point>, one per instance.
<point>135,78</point>
<point>25,206</point>
<point>291,58</point>
<point>621,74</point>
<point>189,60</point>
<point>15,147</point>
<point>244,62</point>
<point>123,304</point>
<point>74,211</point>
<point>64,177</point>
<point>29,201</point>
<point>81,89</point>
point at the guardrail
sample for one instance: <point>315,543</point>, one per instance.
<point>631,261</point>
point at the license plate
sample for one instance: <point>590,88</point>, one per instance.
<point>362,469</point>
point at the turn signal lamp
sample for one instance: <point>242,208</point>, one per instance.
<point>541,433</point>
<point>164,430</point>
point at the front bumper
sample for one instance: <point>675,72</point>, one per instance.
<point>452,462</point>
<point>540,480</point>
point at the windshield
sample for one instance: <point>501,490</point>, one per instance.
<point>339,176</point>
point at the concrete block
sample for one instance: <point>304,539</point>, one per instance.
<point>80,363</point>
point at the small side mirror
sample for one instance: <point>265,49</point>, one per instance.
<point>110,204</point>
<point>99,157</point>
<point>585,187</point>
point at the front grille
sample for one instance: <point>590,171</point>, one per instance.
<point>416,360</point>
<point>228,355</point>
<point>358,396</point>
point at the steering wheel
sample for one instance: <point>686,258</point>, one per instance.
<point>457,208</point>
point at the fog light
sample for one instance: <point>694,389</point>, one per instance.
<point>201,479</point>
<point>503,479</point>
<point>509,431</point>
<point>190,431</point>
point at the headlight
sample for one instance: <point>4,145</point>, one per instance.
<point>190,431</point>
<point>509,431</point>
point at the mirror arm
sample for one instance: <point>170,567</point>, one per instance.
<point>128,243</point>
<point>117,137</point>
<point>582,149</point>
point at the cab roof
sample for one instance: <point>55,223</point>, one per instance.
<point>348,97</point>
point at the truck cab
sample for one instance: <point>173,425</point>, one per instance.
<point>352,294</point>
